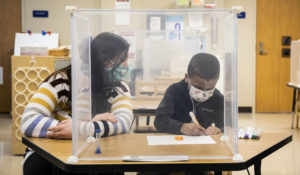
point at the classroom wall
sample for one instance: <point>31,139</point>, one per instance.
<point>246,52</point>
<point>142,4</point>
<point>59,21</point>
<point>149,4</point>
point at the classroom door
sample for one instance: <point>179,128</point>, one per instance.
<point>275,19</point>
<point>10,22</point>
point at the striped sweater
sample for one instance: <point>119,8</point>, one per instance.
<point>51,104</point>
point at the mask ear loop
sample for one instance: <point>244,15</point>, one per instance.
<point>191,96</point>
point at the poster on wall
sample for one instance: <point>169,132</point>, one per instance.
<point>174,27</point>
<point>129,36</point>
<point>122,18</point>
<point>127,68</point>
<point>122,4</point>
<point>156,26</point>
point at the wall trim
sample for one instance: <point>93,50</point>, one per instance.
<point>245,109</point>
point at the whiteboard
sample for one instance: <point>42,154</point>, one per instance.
<point>35,40</point>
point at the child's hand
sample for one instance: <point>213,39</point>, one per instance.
<point>62,130</point>
<point>109,117</point>
<point>192,129</point>
<point>212,130</point>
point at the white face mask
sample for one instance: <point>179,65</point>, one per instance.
<point>200,95</point>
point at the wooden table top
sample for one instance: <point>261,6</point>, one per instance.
<point>58,151</point>
<point>145,104</point>
<point>293,85</point>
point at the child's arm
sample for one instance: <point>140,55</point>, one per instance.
<point>120,118</point>
<point>163,121</point>
<point>37,117</point>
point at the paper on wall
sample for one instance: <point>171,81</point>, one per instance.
<point>130,37</point>
<point>35,40</point>
<point>155,23</point>
<point>122,18</point>
<point>174,27</point>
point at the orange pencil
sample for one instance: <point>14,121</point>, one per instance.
<point>194,118</point>
<point>196,122</point>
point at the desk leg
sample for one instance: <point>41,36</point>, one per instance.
<point>297,121</point>
<point>297,106</point>
<point>257,168</point>
<point>293,108</point>
<point>218,173</point>
<point>293,118</point>
<point>56,170</point>
<point>136,121</point>
<point>148,121</point>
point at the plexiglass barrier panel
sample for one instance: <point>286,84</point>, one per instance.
<point>81,106</point>
<point>230,85</point>
<point>162,43</point>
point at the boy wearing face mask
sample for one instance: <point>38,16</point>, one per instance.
<point>196,94</point>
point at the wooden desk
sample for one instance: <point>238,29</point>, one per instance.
<point>296,104</point>
<point>144,108</point>
<point>145,104</point>
<point>253,151</point>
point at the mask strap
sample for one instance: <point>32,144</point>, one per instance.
<point>191,96</point>
<point>189,79</point>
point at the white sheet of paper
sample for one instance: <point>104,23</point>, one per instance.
<point>170,140</point>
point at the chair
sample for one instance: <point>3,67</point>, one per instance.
<point>296,108</point>
<point>150,90</point>
<point>148,93</point>
<point>170,79</point>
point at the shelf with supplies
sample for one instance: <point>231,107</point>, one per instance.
<point>27,73</point>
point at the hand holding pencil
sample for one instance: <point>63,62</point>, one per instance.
<point>194,118</point>
<point>211,130</point>
<point>193,129</point>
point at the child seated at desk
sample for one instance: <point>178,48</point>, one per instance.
<point>196,94</point>
<point>48,114</point>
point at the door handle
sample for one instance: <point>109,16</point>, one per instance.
<point>261,49</point>
<point>10,51</point>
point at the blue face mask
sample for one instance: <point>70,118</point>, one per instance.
<point>120,72</point>
<point>112,74</point>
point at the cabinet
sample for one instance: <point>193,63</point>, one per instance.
<point>27,73</point>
